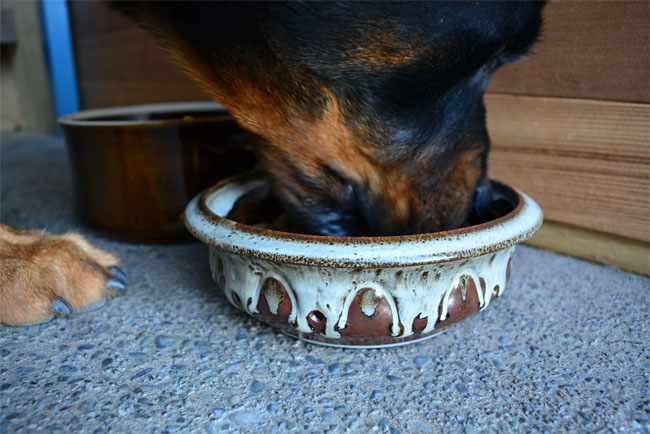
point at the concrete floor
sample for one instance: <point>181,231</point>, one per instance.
<point>565,349</point>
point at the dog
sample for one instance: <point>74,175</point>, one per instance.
<point>369,121</point>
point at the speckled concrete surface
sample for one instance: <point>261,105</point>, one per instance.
<point>565,349</point>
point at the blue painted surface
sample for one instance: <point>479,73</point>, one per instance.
<point>60,52</point>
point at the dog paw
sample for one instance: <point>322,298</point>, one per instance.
<point>44,275</point>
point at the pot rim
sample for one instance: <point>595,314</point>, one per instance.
<point>84,118</point>
<point>352,252</point>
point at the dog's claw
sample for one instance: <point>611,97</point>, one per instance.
<point>60,307</point>
<point>118,274</point>
<point>114,283</point>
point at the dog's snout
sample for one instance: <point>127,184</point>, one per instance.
<point>488,203</point>
<point>482,196</point>
<point>358,216</point>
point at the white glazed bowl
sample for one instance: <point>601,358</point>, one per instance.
<point>362,291</point>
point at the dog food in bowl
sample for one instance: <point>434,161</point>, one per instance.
<point>361,291</point>
<point>136,168</point>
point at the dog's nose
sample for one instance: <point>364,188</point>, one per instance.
<point>374,217</point>
<point>482,203</point>
<point>483,196</point>
<point>488,203</point>
<point>361,215</point>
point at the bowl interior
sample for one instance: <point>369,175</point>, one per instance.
<point>258,207</point>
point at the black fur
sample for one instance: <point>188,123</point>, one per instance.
<point>418,114</point>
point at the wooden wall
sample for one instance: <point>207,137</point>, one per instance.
<point>569,125</point>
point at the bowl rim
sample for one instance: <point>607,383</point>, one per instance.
<point>84,118</point>
<point>358,252</point>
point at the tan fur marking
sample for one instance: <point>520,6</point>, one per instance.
<point>383,50</point>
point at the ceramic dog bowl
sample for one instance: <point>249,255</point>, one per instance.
<point>361,292</point>
<point>136,168</point>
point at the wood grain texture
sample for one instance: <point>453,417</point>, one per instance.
<point>594,246</point>
<point>588,49</point>
<point>121,64</point>
<point>586,162</point>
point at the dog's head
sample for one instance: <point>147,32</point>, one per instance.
<point>397,140</point>
<point>371,114</point>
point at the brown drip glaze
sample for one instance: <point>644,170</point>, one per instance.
<point>458,307</point>
<point>359,323</point>
<point>274,291</point>
<point>419,324</point>
<point>317,321</point>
